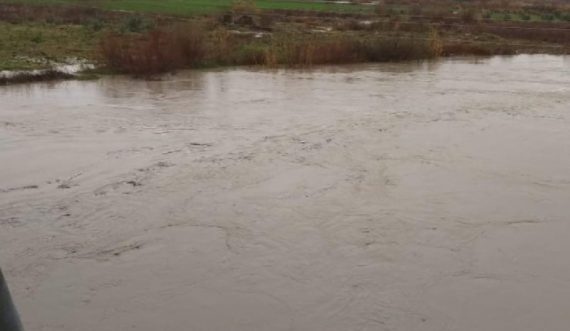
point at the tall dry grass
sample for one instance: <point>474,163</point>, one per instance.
<point>341,50</point>
<point>401,47</point>
<point>153,52</point>
<point>299,52</point>
<point>164,50</point>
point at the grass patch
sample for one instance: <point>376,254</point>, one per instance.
<point>38,45</point>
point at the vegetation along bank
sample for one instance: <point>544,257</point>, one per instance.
<point>148,38</point>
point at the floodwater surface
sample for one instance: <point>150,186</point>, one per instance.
<point>400,197</point>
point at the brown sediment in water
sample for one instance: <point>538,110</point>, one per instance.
<point>409,196</point>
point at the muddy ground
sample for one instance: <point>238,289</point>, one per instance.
<point>377,197</point>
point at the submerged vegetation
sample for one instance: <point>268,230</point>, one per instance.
<point>36,36</point>
<point>34,76</point>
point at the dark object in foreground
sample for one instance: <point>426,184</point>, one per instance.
<point>34,76</point>
<point>9,319</point>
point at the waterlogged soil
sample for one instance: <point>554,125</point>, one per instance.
<point>374,197</point>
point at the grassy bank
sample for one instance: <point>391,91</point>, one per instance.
<point>146,45</point>
<point>498,10</point>
<point>37,45</point>
<point>193,7</point>
<point>180,46</point>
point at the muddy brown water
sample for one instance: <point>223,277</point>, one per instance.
<point>375,197</point>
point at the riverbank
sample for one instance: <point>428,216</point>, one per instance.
<point>39,37</point>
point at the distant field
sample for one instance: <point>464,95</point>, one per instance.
<point>189,7</point>
<point>193,7</point>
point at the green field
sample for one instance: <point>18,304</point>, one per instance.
<point>190,7</point>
